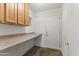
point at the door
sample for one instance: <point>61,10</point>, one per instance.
<point>21,13</point>
<point>52,32</point>
<point>11,13</point>
<point>27,19</point>
<point>48,25</point>
<point>2,11</point>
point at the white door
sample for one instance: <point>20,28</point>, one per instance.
<point>49,25</point>
<point>48,22</point>
<point>52,31</point>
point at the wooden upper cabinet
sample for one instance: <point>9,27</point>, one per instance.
<point>2,12</point>
<point>27,20</point>
<point>14,13</point>
<point>11,13</point>
<point>21,13</point>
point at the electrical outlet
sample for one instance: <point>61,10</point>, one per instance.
<point>68,44</point>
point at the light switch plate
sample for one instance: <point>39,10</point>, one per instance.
<point>67,43</point>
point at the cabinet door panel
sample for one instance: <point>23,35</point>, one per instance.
<point>21,13</point>
<point>27,20</point>
<point>11,13</point>
<point>2,11</point>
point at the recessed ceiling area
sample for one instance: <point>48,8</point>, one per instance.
<point>38,7</point>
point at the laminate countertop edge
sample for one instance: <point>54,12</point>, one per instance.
<point>9,41</point>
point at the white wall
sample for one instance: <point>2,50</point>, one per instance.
<point>50,19</point>
<point>70,26</point>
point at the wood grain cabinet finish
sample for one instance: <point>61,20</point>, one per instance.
<point>2,12</point>
<point>27,20</point>
<point>14,13</point>
<point>21,19</point>
<point>11,13</point>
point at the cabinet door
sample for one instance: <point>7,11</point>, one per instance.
<point>11,13</point>
<point>21,13</point>
<point>27,20</point>
<point>2,11</point>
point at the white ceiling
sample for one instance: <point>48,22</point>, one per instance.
<point>38,7</point>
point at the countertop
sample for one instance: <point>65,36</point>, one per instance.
<point>12,40</point>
